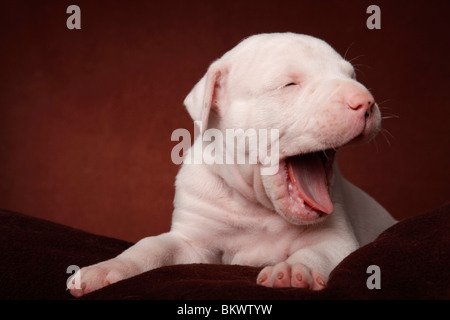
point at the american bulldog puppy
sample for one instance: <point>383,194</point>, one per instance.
<point>290,211</point>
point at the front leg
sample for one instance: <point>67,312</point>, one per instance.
<point>149,253</point>
<point>308,267</point>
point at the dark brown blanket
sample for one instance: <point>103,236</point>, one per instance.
<point>413,259</point>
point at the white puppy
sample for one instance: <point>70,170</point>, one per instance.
<point>299,222</point>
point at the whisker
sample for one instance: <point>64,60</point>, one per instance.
<point>383,108</point>
<point>357,57</point>
<point>390,116</point>
<point>360,71</point>
<point>385,134</point>
<point>385,138</point>
<point>362,65</point>
<point>376,145</point>
<point>383,102</point>
<point>348,48</point>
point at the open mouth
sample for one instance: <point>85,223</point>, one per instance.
<point>308,180</point>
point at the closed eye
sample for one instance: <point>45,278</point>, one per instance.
<point>289,84</point>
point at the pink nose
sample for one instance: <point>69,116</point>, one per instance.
<point>362,102</point>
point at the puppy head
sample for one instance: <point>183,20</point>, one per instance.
<point>299,86</point>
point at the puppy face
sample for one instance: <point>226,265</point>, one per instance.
<point>300,86</point>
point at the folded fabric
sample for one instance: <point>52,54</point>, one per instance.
<point>410,260</point>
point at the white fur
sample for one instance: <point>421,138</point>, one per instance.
<point>232,214</point>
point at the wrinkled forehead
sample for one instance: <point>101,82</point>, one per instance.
<point>278,55</point>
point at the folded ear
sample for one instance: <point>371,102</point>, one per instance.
<point>205,95</point>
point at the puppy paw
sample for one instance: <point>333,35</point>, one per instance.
<point>100,275</point>
<point>297,275</point>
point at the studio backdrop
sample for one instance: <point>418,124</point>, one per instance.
<point>91,94</point>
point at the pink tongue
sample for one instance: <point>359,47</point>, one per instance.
<point>309,178</point>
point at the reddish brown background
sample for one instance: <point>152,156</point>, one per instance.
<point>86,115</point>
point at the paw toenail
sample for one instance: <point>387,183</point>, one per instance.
<point>280,275</point>
<point>299,277</point>
<point>321,281</point>
<point>262,278</point>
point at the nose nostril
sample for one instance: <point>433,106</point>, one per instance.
<point>368,106</point>
<point>362,102</point>
<point>356,106</point>
<point>369,110</point>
